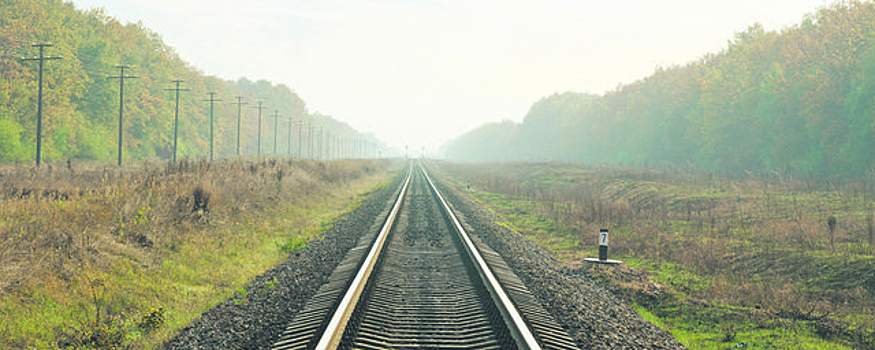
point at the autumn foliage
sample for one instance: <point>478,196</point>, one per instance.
<point>81,104</point>
<point>799,100</point>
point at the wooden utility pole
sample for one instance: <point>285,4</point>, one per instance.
<point>211,101</point>
<point>258,145</point>
<point>176,116</point>
<point>39,104</point>
<point>276,127</point>
<point>121,103</point>
<point>240,103</point>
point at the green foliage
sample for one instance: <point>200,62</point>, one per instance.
<point>486,143</point>
<point>81,106</point>
<point>77,287</point>
<point>152,320</point>
<point>798,101</point>
<point>762,262</point>
<point>11,148</point>
<point>294,244</point>
<point>142,215</point>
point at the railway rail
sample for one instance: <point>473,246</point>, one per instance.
<point>422,282</point>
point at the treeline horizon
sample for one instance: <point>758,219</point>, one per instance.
<point>81,104</point>
<point>799,101</point>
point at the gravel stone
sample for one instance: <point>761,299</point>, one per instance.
<point>591,315</point>
<point>257,322</point>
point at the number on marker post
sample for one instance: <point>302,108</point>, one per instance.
<point>603,244</point>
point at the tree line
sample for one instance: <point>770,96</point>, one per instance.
<point>81,105</point>
<point>800,100</point>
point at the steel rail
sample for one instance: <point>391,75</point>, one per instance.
<point>512,317</point>
<point>334,331</point>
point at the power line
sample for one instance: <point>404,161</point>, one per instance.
<point>289,138</point>
<point>260,107</point>
<point>211,101</point>
<point>276,126</point>
<point>240,103</point>
<point>121,103</point>
<point>300,136</point>
<point>39,106</point>
<point>176,115</point>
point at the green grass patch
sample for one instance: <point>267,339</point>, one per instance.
<point>748,262</point>
<point>118,295</point>
<point>522,216</point>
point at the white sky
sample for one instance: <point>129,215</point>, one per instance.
<point>421,72</point>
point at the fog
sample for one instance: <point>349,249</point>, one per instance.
<point>420,73</point>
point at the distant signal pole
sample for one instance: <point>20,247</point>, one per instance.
<point>211,101</point>
<point>39,105</point>
<point>121,103</point>
<point>176,116</point>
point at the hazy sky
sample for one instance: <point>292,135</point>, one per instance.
<point>421,72</point>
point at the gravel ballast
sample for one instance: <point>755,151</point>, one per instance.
<point>257,321</point>
<point>593,317</point>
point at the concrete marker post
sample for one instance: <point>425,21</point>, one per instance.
<point>603,251</point>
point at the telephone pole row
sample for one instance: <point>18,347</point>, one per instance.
<point>276,127</point>
<point>258,143</point>
<point>211,101</point>
<point>121,103</point>
<point>176,115</point>
<point>240,104</point>
<point>314,151</point>
<point>39,106</point>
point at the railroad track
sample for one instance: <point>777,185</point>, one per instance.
<point>421,282</point>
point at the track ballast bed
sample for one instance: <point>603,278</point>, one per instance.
<point>421,283</point>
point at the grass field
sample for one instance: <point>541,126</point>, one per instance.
<point>97,257</point>
<point>766,262</point>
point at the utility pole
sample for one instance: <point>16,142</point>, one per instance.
<point>211,101</point>
<point>310,142</point>
<point>327,145</point>
<point>289,138</point>
<point>240,103</point>
<point>319,151</point>
<point>276,127</point>
<point>176,116</point>
<point>300,135</point>
<point>341,147</point>
<point>39,104</point>
<point>258,145</point>
<point>121,103</point>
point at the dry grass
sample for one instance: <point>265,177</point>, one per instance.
<point>763,242</point>
<point>86,246</point>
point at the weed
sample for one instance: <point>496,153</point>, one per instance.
<point>88,250</point>
<point>201,199</point>
<point>752,247</point>
<point>142,215</point>
<point>241,296</point>
<point>151,320</point>
<point>293,244</point>
<point>108,335</point>
<point>729,333</point>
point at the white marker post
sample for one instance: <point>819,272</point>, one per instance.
<point>603,251</point>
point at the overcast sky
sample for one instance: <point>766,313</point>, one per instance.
<point>421,72</point>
